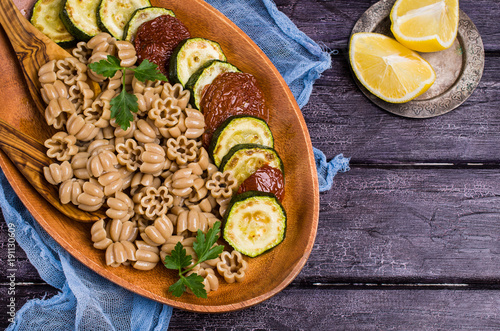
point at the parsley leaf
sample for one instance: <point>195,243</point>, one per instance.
<point>106,68</point>
<point>121,107</point>
<point>148,71</point>
<point>203,248</point>
<point>178,260</point>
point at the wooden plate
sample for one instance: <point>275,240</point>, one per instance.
<point>269,273</point>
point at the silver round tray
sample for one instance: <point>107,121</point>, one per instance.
<point>458,68</point>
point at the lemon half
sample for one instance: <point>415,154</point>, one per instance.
<point>388,69</point>
<point>425,25</point>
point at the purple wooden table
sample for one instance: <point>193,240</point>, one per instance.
<point>409,238</point>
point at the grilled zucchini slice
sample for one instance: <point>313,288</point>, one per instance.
<point>204,76</point>
<point>140,16</point>
<point>113,15</point>
<point>46,18</point>
<point>240,129</point>
<point>254,223</point>
<point>244,159</point>
<point>190,55</point>
<point>79,17</point>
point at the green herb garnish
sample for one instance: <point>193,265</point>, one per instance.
<point>125,103</point>
<point>178,260</point>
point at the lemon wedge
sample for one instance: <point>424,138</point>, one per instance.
<point>388,69</point>
<point>425,25</point>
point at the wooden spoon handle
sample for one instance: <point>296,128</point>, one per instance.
<point>28,155</point>
<point>33,48</point>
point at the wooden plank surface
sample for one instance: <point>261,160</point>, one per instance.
<point>408,239</point>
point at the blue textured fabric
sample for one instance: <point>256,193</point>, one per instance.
<point>86,300</point>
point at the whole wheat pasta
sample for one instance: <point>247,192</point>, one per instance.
<point>57,112</point>
<point>147,256</point>
<point>129,154</point>
<point>146,132</point>
<point>82,130</point>
<point>82,52</point>
<point>99,235</point>
<point>232,267</point>
<point>178,93</point>
<point>99,113</point>
<point>61,146</point>
<point>47,73</point>
<point>117,254</point>
<point>120,207</point>
<point>70,190</point>
<point>122,231</point>
<point>153,159</point>
<point>155,87</point>
<point>145,101</point>
<point>92,197</point>
<point>79,165</point>
<point>53,91</point>
<point>164,113</point>
<point>182,150</point>
<point>111,181</point>
<point>152,202</point>
<point>81,96</point>
<point>101,163</point>
<point>210,281</point>
<point>70,71</point>
<point>57,173</point>
<point>158,233</point>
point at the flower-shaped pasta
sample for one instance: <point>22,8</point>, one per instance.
<point>145,101</point>
<point>82,130</point>
<point>82,52</point>
<point>98,146</point>
<point>199,190</point>
<point>222,184</point>
<point>152,202</point>
<point>79,165</point>
<point>126,53</point>
<point>70,190</point>
<point>182,150</point>
<point>147,256</point>
<point>191,221</point>
<point>178,93</point>
<point>70,70</point>
<point>141,180</point>
<point>122,231</point>
<point>153,159</point>
<point>169,245</point>
<point>119,253</point>
<point>223,204</point>
<point>100,111</point>
<point>164,113</point>
<point>57,173</point>
<point>92,197</point>
<point>232,267</point>
<point>129,154</point>
<point>53,91</point>
<point>120,207</point>
<point>158,233</point>
<point>47,73</point>
<point>102,42</point>
<point>101,163</point>
<point>201,163</point>
<point>61,146</point>
<point>125,134</point>
<point>99,235</point>
<point>146,132</point>
<point>210,281</point>
<point>112,182</point>
<point>57,112</point>
<point>127,177</point>
<point>141,87</point>
<point>194,122</point>
<point>81,96</point>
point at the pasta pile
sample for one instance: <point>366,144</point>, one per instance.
<point>154,179</point>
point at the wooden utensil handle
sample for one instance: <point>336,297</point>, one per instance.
<point>28,155</point>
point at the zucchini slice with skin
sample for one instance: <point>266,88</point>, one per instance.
<point>254,223</point>
<point>80,18</point>
<point>190,55</point>
<point>240,129</point>
<point>140,16</point>
<point>244,159</point>
<point>204,76</point>
<point>113,15</point>
<point>46,18</point>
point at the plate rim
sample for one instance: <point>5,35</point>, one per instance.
<point>456,94</point>
<point>14,176</point>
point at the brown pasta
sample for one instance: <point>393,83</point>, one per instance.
<point>122,231</point>
<point>92,197</point>
<point>82,52</point>
<point>182,150</point>
<point>190,222</point>
<point>57,173</point>
<point>81,96</point>
<point>57,112</point>
<point>120,207</point>
<point>232,267</point>
<point>99,113</point>
<point>82,130</point>
<point>119,253</point>
<point>61,146</point>
<point>147,256</point>
<point>210,281</point>
<point>159,232</point>
<point>146,132</point>
<point>194,122</point>
<point>54,91</point>
<point>47,73</point>
<point>99,235</point>
<point>129,154</point>
<point>70,190</point>
<point>101,163</point>
<point>126,53</point>
<point>152,202</point>
<point>222,184</point>
<point>111,181</point>
<point>152,159</point>
<point>176,92</point>
<point>164,113</point>
<point>70,71</point>
<point>142,87</point>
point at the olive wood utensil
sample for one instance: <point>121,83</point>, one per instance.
<point>29,157</point>
<point>33,48</point>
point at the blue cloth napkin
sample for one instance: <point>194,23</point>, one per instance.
<point>86,300</point>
